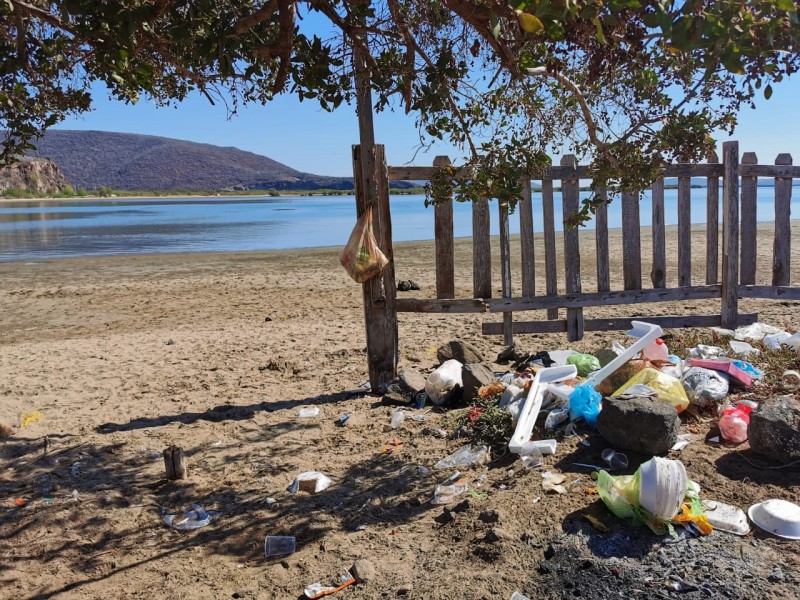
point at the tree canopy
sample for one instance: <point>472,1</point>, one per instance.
<point>631,83</point>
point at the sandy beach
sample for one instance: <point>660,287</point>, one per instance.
<point>124,356</point>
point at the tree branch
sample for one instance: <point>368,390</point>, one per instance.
<point>43,15</point>
<point>262,14</point>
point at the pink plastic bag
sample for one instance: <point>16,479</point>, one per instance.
<point>734,420</point>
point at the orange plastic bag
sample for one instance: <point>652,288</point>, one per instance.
<point>362,258</point>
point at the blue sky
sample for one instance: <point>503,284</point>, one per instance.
<point>306,138</point>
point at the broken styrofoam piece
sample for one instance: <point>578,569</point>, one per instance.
<point>646,332</point>
<point>312,482</point>
<point>533,403</point>
<point>725,517</point>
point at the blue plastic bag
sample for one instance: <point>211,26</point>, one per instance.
<point>584,403</point>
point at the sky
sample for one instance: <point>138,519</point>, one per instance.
<point>309,139</point>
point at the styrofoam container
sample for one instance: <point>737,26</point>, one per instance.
<point>727,518</point>
<point>662,487</point>
<point>779,517</point>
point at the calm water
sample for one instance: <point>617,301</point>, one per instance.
<point>44,230</point>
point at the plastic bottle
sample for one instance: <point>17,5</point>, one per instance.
<point>734,420</point>
<point>657,350</point>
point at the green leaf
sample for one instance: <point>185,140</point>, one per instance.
<point>768,92</point>
<point>599,31</point>
<point>529,23</point>
<point>494,22</point>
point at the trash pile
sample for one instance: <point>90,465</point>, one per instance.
<point>632,396</point>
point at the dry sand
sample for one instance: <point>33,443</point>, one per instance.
<point>125,356</point>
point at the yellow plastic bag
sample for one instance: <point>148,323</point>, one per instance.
<point>362,258</point>
<point>669,388</point>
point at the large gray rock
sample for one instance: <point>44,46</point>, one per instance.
<point>775,428</point>
<point>644,425</point>
<point>411,380</point>
<point>463,352</point>
<point>473,377</point>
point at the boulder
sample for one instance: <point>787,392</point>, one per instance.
<point>774,429</point>
<point>463,352</point>
<point>644,425</point>
<point>411,380</point>
<point>473,377</point>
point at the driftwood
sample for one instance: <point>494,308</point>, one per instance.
<point>175,463</point>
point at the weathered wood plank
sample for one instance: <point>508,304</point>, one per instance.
<point>527,248</point>
<point>667,322</point>
<point>712,224</point>
<point>443,236</point>
<point>481,250</point>
<point>570,191</point>
<point>730,235</point>
<point>658,275</point>
<point>769,171</point>
<point>601,243</point>
<point>684,231</point>
<point>379,292</point>
<point>748,220</point>
<point>769,292</point>
<point>175,463</point>
<point>548,217</point>
<point>782,243</point>
<point>429,305</point>
<point>586,299</point>
<point>631,242</point>
<point>505,270</point>
<point>692,170</point>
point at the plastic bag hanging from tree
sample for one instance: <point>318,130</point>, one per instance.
<point>362,257</point>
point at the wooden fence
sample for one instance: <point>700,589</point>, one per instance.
<point>729,285</point>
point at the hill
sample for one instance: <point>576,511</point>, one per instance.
<point>129,161</point>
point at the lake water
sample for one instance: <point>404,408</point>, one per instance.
<point>39,230</point>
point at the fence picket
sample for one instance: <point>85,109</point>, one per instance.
<point>749,231</point>
<point>481,250</point>
<point>684,231</point>
<point>712,224</point>
<point>601,243</point>
<point>659,273</point>
<point>570,191</point>
<point>526,241</point>
<point>631,242</point>
<point>782,244</point>
<point>443,236</point>
<point>548,217</point>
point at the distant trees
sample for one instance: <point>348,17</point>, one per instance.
<point>627,81</point>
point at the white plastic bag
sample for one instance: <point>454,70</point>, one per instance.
<point>442,381</point>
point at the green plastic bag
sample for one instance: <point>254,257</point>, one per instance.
<point>586,363</point>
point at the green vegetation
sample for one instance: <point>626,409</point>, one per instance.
<point>630,83</point>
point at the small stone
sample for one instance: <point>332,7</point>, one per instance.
<point>445,518</point>
<point>489,516</point>
<point>434,432</point>
<point>474,377</point>
<point>774,429</point>
<point>496,534</point>
<point>776,576</point>
<point>462,506</point>
<point>405,589</point>
<point>645,425</point>
<point>170,342</point>
<point>407,285</point>
<point>363,570</point>
<point>463,352</point>
<point>267,319</point>
<point>394,399</point>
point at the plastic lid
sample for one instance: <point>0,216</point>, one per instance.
<point>659,342</point>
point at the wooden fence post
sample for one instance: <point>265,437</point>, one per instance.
<point>658,274</point>
<point>631,241</point>
<point>684,231</point>
<point>505,271</point>
<point>527,247</point>
<point>570,193</point>
<point>712,224</point>
<point>379,292</point>
<point>443,234</point>
<point>601,243</point>
<point>481,250</point>
<point>730,235</point>
<point>749,226</point>
<point>782,244</point>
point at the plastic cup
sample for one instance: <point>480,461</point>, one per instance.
<point>279,545</point>
<point>616,460</point>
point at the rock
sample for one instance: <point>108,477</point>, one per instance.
<point>445,518</point>
<point>462,506</point>
<point>407,285</point>
<point>496,534</point>
<point>394,399</point>
<point>411,380</point>
<point>363,570</point>
<point>489,516</point>
<point>643,425</point>
<point>437,432</point>
<point>774,429</point>
<point>776,576</point>
<point>473,377</point>
<point>463,352</point>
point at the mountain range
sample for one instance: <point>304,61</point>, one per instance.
<point>127,161</point>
